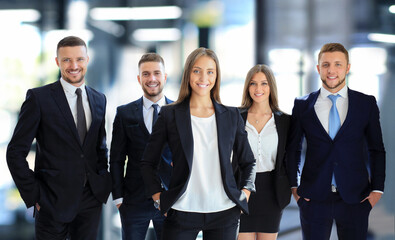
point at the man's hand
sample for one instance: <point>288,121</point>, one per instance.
<point>247,192</point>
<point>119,205</point>
<point>373,198</point>
<point>38,207</point>
<point>296,196</point>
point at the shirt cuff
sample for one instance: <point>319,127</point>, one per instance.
<point>118,201</point>
<point>378,191</point>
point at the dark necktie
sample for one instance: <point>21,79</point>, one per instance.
<point>334,124</point>
<point>155,114</point>
<point>81,121</point>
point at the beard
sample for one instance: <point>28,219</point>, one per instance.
<point>153,94</point>
<point>334,87</point>
<point>73,82</point>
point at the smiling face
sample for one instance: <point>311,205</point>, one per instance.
<point>259,88</point>
<point>333,68</point>
<point>73,63</point>
<point>203,76</point>
<point>152,78</point>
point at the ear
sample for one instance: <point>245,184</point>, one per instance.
<point>318,69</point>
<point>138,79</point>
<point>348,68</point>
<point>57,61</point>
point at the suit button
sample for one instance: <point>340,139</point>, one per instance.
<point>82,156</point>
<point>335,163</point>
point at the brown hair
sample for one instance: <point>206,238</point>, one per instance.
<point>185,88</point>
<point>151,57</point>
<point>71,41</point>
<point>333,47</point>
<point>247,101</point>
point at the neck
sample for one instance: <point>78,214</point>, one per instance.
<point>261,108</point>
<point>154,99</point>
<point>200,101</point>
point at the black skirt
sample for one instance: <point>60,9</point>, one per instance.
<point>265,213</point>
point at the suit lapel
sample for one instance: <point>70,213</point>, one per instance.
<point>311,113</point>
<point>61,100</point>
<point>183,123</point>
<point>350,113</point>
<point>281,133</point>
<point>138,112</point>
<point>223,127</point>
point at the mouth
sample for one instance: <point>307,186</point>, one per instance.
<point>153,85</point>
<point>258,94</point>
<point>74,72</point>
<point>332,78</point>
<point>203,85</point>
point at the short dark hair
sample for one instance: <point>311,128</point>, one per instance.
<point>151,57</point>
<point>71,41</point>
<point>333,47</point>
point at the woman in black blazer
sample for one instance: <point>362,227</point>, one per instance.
<point>202,135</point>
<point>267,129</point>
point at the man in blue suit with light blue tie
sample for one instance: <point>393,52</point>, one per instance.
<point>132,127</point>
<point>344,170</point>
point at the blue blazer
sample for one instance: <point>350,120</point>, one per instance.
<point>356,155</point>
<point>174,127</point>
<point>129,138</point>
<point>62,160</point>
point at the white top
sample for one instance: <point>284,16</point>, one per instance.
<point>69,91</point>
<point>264,145</point>
<point>323,106</point>
<point>205,191</point>
<point>148,111</point>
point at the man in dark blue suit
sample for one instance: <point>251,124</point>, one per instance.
<point>344,170</point>
<point>131,130</point>
<point>70,181</point>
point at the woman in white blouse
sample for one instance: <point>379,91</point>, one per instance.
<point>267,129</point>
<point>202,135</point>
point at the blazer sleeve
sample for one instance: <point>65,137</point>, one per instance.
<point>245,157</point>
<point>294,145</point>
<point>376,148</point>
<point>152,155</point>
<point>19,147</point>
<point>118,155</point>
<point>102,151</point>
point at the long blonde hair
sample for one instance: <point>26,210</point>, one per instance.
<point>185,88</point>
<point>247,101</point>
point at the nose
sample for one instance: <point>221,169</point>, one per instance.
<point>74,64</point>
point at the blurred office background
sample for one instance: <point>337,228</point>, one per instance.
<point>284,34</point>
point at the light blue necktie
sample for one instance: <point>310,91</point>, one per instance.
<point>334,123</point>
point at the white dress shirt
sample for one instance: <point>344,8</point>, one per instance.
<point>148,111</point>
<point>323,106</point>
<point>264,145</point>
<point>205,191</point>
<point>69,91</point>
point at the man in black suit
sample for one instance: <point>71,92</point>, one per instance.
<point>132,127</point>
<point>70,181</point>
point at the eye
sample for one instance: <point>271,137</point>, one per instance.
<point>252,84</point>
<point>66,60</point>
<point>210,72</point>
<point>264,83</point>
<point>196,71</point>
<point>338,65</point>
<point>81,59</point>
<point>325,65</point>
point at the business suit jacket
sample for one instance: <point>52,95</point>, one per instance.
<point>281,188</point>
<point>357,143</point>
<point>130,136</point>
<point>174,127</point>
<point>62,162</point>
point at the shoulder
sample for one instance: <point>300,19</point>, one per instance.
<point>361,96</point>
<point>95,92</point>
<point>129,107</point>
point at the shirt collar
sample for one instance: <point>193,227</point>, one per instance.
<point>342,92</point>
<point>147,103</point>
<point>70,89</point>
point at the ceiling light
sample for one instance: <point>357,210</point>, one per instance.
<point>380,37</point>
<point>392,9</point>
<point>157,34</point>
<point>19,15</point>
<point>136,13</point>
